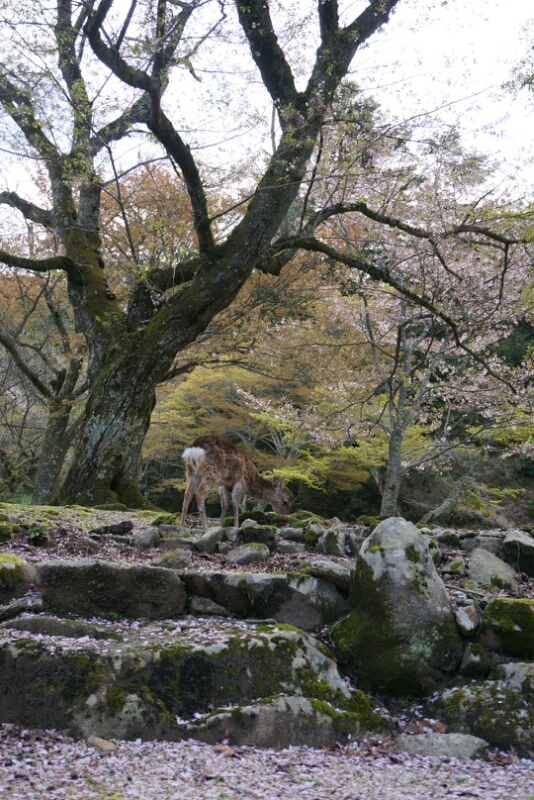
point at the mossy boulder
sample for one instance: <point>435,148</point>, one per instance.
<point>12,577</point>
<point>508,627</point>
<point>259,534</point>
<point>499,711</point>
<point>91,586</point>
<point>282,721</point>
<point>400,639</point>
<point>153,683</point>
<point>297,599</point>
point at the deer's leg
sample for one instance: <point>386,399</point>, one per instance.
<point>189,492</point>
<point>237,494</point>
<point>224,494</point>
<point>201,494</point>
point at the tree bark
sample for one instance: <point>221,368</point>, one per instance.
<point>55,445</point>
<point>111,431</point>
<point>392,483</point>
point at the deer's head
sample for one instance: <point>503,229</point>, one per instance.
<point>281,497</point>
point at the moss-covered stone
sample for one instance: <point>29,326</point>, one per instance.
<point>12,583</point>
<point>493,711</point>
<point>508,626</point>
<point>400,638</point>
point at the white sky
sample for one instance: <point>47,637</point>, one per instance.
<point>457,52</point>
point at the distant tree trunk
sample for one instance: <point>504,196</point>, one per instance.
<point>392,482</point>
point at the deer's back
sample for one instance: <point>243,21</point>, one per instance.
<point>224,463</point>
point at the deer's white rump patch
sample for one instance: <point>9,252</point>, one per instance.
<point>194,456</point>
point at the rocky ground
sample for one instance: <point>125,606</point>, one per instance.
<point>49,764</point>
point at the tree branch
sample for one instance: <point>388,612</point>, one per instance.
<point>29,210</point>
<point>38,265</point>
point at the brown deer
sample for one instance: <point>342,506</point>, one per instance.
<point>214,462</point>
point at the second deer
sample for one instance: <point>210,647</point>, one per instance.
<point>213,462</point>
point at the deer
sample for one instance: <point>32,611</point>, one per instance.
<point>212,461</point>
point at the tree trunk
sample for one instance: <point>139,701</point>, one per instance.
<point>392,483</point>
<point>112,429</point>
<point>55,446</point>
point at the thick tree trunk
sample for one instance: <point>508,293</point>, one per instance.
<point>392,483</point>
<point>53,451</point>
<point>111,432</point>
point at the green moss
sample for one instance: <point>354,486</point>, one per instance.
<point>376,548</point>
<point>166,519</point>
<point>83,677</point>
<point>115,698</point>
<point>9,558</point>
<point>412,554</point>
<point>372,522</point>
<point>451,539</point>
<point>6,529</point>
<point>10,574</point>
<point>512,620</point>
<point>311,537</point>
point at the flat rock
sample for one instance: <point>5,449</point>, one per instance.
<point>507,627</point>
<point>452,745</point>
<point>306,602</point>
<point>335,572</point>
<point>331,542</point>
<point>204,607</point>
<point>468,620</point>
<point>98,587</point>
<point>251,553</point>
<point>280,723</point>
<point>147,538</point>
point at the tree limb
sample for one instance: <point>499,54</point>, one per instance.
<point>29,210</point>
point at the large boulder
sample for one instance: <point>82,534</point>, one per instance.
<point>499,711</point>
<point>154,680</point>
<point>508,627</point>
<point>103,588</point>
<point>518,549</point>
<point>491,572</point>
<point>306,602</point>
<point>400,639</point>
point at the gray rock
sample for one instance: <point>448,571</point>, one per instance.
<point>147,538</point>
<point>517,676</point>
<point>99,587</point>
<point>401,638</point>
<point>224,547</point>
<point>490,572</point>
<point>491,541</point>
<point>331,542</point>
<point>176,543</point>
<point>335,572</point>
<point>456,566</point>
<point>468,620</point>
<point>207,543</point>
<point>518,548</point>
<point>452,745</point>
<point>292,534</point>
<point>252,553</point>
<point>288,548</point>
<point>313,533</point>
<point>283,722</point>
<point>308,603</point>
<point>204,607</point>
<point>175,531</point>
<point>174,559</point>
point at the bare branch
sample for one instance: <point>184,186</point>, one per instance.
<point>29,210</point>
